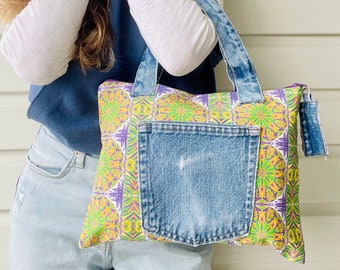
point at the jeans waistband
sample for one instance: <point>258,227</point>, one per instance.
<point>80,156</point>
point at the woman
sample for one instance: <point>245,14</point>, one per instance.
<point>65,49</point>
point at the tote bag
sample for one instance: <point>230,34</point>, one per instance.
<point>201,169</point>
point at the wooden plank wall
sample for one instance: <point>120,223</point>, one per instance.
<point>289,41</point>
<point>296,41</point>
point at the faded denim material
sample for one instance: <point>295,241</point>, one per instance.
<point>47,216</point>
<point>240,68</point>
<point>186,170</point>
<point>313,139</point>
<point>197,180</point>
<point>146,77</point>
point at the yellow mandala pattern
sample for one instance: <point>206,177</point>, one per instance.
<point>111,163</point>
<point>271,115</point>
<point>114,211</point>
<point>179,108</point>
<point>114,108</point>
<point>102,222</point>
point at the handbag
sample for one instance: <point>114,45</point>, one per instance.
<point>201,169</point>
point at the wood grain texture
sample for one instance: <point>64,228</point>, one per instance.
<point>277,17</point>
<point>17,132</point>
<point>283,60</point>
<point>288,41</point>
<point>3,239</point>
<point>9,81</point>
<point>321,242</point>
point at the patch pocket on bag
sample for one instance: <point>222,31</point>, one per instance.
<point>197,180</point>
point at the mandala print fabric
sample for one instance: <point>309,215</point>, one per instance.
<point>114,211</point>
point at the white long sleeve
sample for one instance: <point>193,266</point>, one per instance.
<point>39,42</point>
<point>178,33</point>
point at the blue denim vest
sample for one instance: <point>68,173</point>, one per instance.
<point>68,106</point>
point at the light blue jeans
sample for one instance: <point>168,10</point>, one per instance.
<point>47,215</point>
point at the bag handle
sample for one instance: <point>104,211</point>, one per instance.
<point>240,69</point>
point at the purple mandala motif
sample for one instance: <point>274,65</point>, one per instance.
<point>280,205</point>
<point>282,144</point>
<point>161,90</point>
<point>201,99</point>
<point>127,87</point>
<point>233,97</point>
<point>121,136</point>
<point>115,195</point>
<point>279,94</point>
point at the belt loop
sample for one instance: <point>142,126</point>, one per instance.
<point>80,159</point>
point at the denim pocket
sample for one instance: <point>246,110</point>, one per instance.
<point>197,180</point>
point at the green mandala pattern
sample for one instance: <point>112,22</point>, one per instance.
<point>111,163</point>
<point>267,228</point>
<point>294,249</point>
<point>222,113</point>
<point>271,175</point>
<point>101,224</point>
<point>179,108</point>
<point>271,115</point>
<point>276,219</point>
<point>114,106</point>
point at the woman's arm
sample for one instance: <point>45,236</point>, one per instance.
<point>177,32</point>
<point>40,40</point>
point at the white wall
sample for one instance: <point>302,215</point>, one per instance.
<point>289,41</point>
<point>297,41</point>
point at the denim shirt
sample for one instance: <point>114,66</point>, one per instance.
<point>68,105</point>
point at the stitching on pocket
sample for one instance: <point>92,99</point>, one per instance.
<point>154,210</point>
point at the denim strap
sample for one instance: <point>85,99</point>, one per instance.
<point>146,76</point>
<point>239,66</point>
